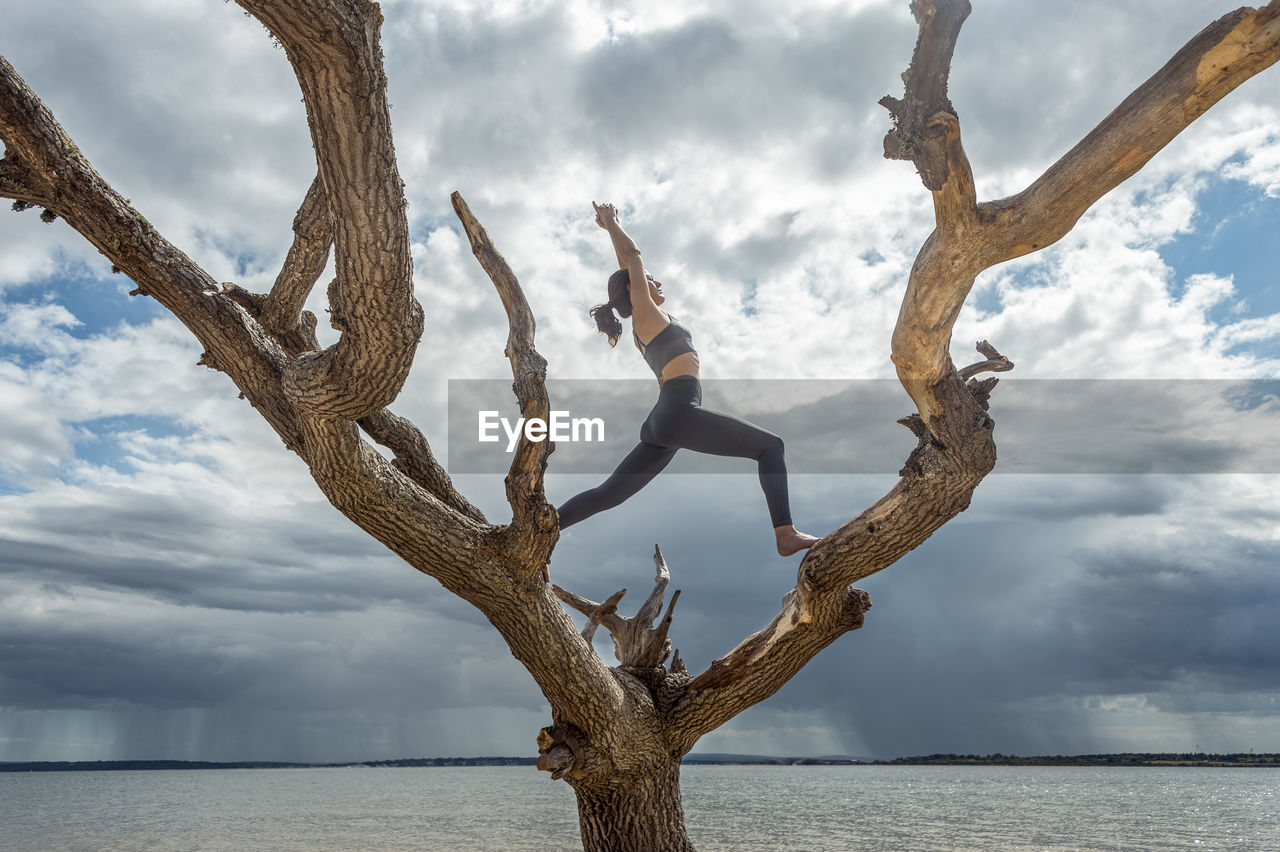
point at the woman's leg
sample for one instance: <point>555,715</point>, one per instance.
<point>640,466</point>
<point>722,434</point>
<point>704,431</point>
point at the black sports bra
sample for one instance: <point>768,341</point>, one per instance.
<point>672,341</point>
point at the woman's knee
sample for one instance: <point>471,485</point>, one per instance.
<point>773,445</point>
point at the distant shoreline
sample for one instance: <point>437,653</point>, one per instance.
<point>1167,760</point>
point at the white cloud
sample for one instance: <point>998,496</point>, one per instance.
<point>34,439</point>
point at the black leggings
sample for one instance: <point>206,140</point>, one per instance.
<point>678,421</point>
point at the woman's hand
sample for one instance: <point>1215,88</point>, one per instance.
<point>606,214</point>
<point>623,245</point>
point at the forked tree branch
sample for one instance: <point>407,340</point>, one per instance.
<point>956,449</point>
<point>333,47</point>
<point>1206,69</point>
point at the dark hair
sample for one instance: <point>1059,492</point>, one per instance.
<point>619,300</point>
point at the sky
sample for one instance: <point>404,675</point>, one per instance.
<point>173,585</point>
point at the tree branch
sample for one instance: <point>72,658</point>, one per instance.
<point>762,663</point>
<point>415,460</point>
<point>312,237</point>
<point>531,513</point>
<point>280,312</point>
<point>1221,57</point>
<point>333,47</point>
<point>956,449</point>
<point>955,203</point>
<point>596,613</point>
<point>995,363</point>
<point>915,135</point>
<point>927,132</point>
<point>43,158</point>
<point>937,484</point>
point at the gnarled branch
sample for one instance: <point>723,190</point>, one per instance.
<point>995,363</point>
<point>532,515</point>
<point>333,47</point>
<point>596,613</point>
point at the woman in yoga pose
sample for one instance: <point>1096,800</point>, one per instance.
<point>678,420</point>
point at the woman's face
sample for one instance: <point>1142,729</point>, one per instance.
<point>655,290</point>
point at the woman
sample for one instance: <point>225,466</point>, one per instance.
<point>678,420</point>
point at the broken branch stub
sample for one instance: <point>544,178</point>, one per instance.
<point>915,136</point>
<point>638,643</point>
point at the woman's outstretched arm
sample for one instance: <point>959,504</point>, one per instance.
<point>647,316</point>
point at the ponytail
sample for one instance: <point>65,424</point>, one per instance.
<point>620,300</point>
<point>608,324</point>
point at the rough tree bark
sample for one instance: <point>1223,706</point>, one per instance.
<point>617,733</point>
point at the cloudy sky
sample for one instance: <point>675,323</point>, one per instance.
<point>172,585</point>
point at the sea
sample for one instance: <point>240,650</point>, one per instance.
<point>899,808</point>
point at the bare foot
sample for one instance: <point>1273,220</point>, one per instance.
<point>791,541</point>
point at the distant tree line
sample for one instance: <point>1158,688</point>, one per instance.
<point>1127,759</point>
<point>118,765</point>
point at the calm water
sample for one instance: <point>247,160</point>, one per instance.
<point>726,808</point>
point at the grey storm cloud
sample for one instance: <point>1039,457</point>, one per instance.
<point>1007,670</point>
<point>152,654</point>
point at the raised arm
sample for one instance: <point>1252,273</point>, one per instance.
<point>647,316</point>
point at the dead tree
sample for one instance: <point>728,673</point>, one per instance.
<point>617,733</point>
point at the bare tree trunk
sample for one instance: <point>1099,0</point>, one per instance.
<point>619,733</point>
<point>636,812</point>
